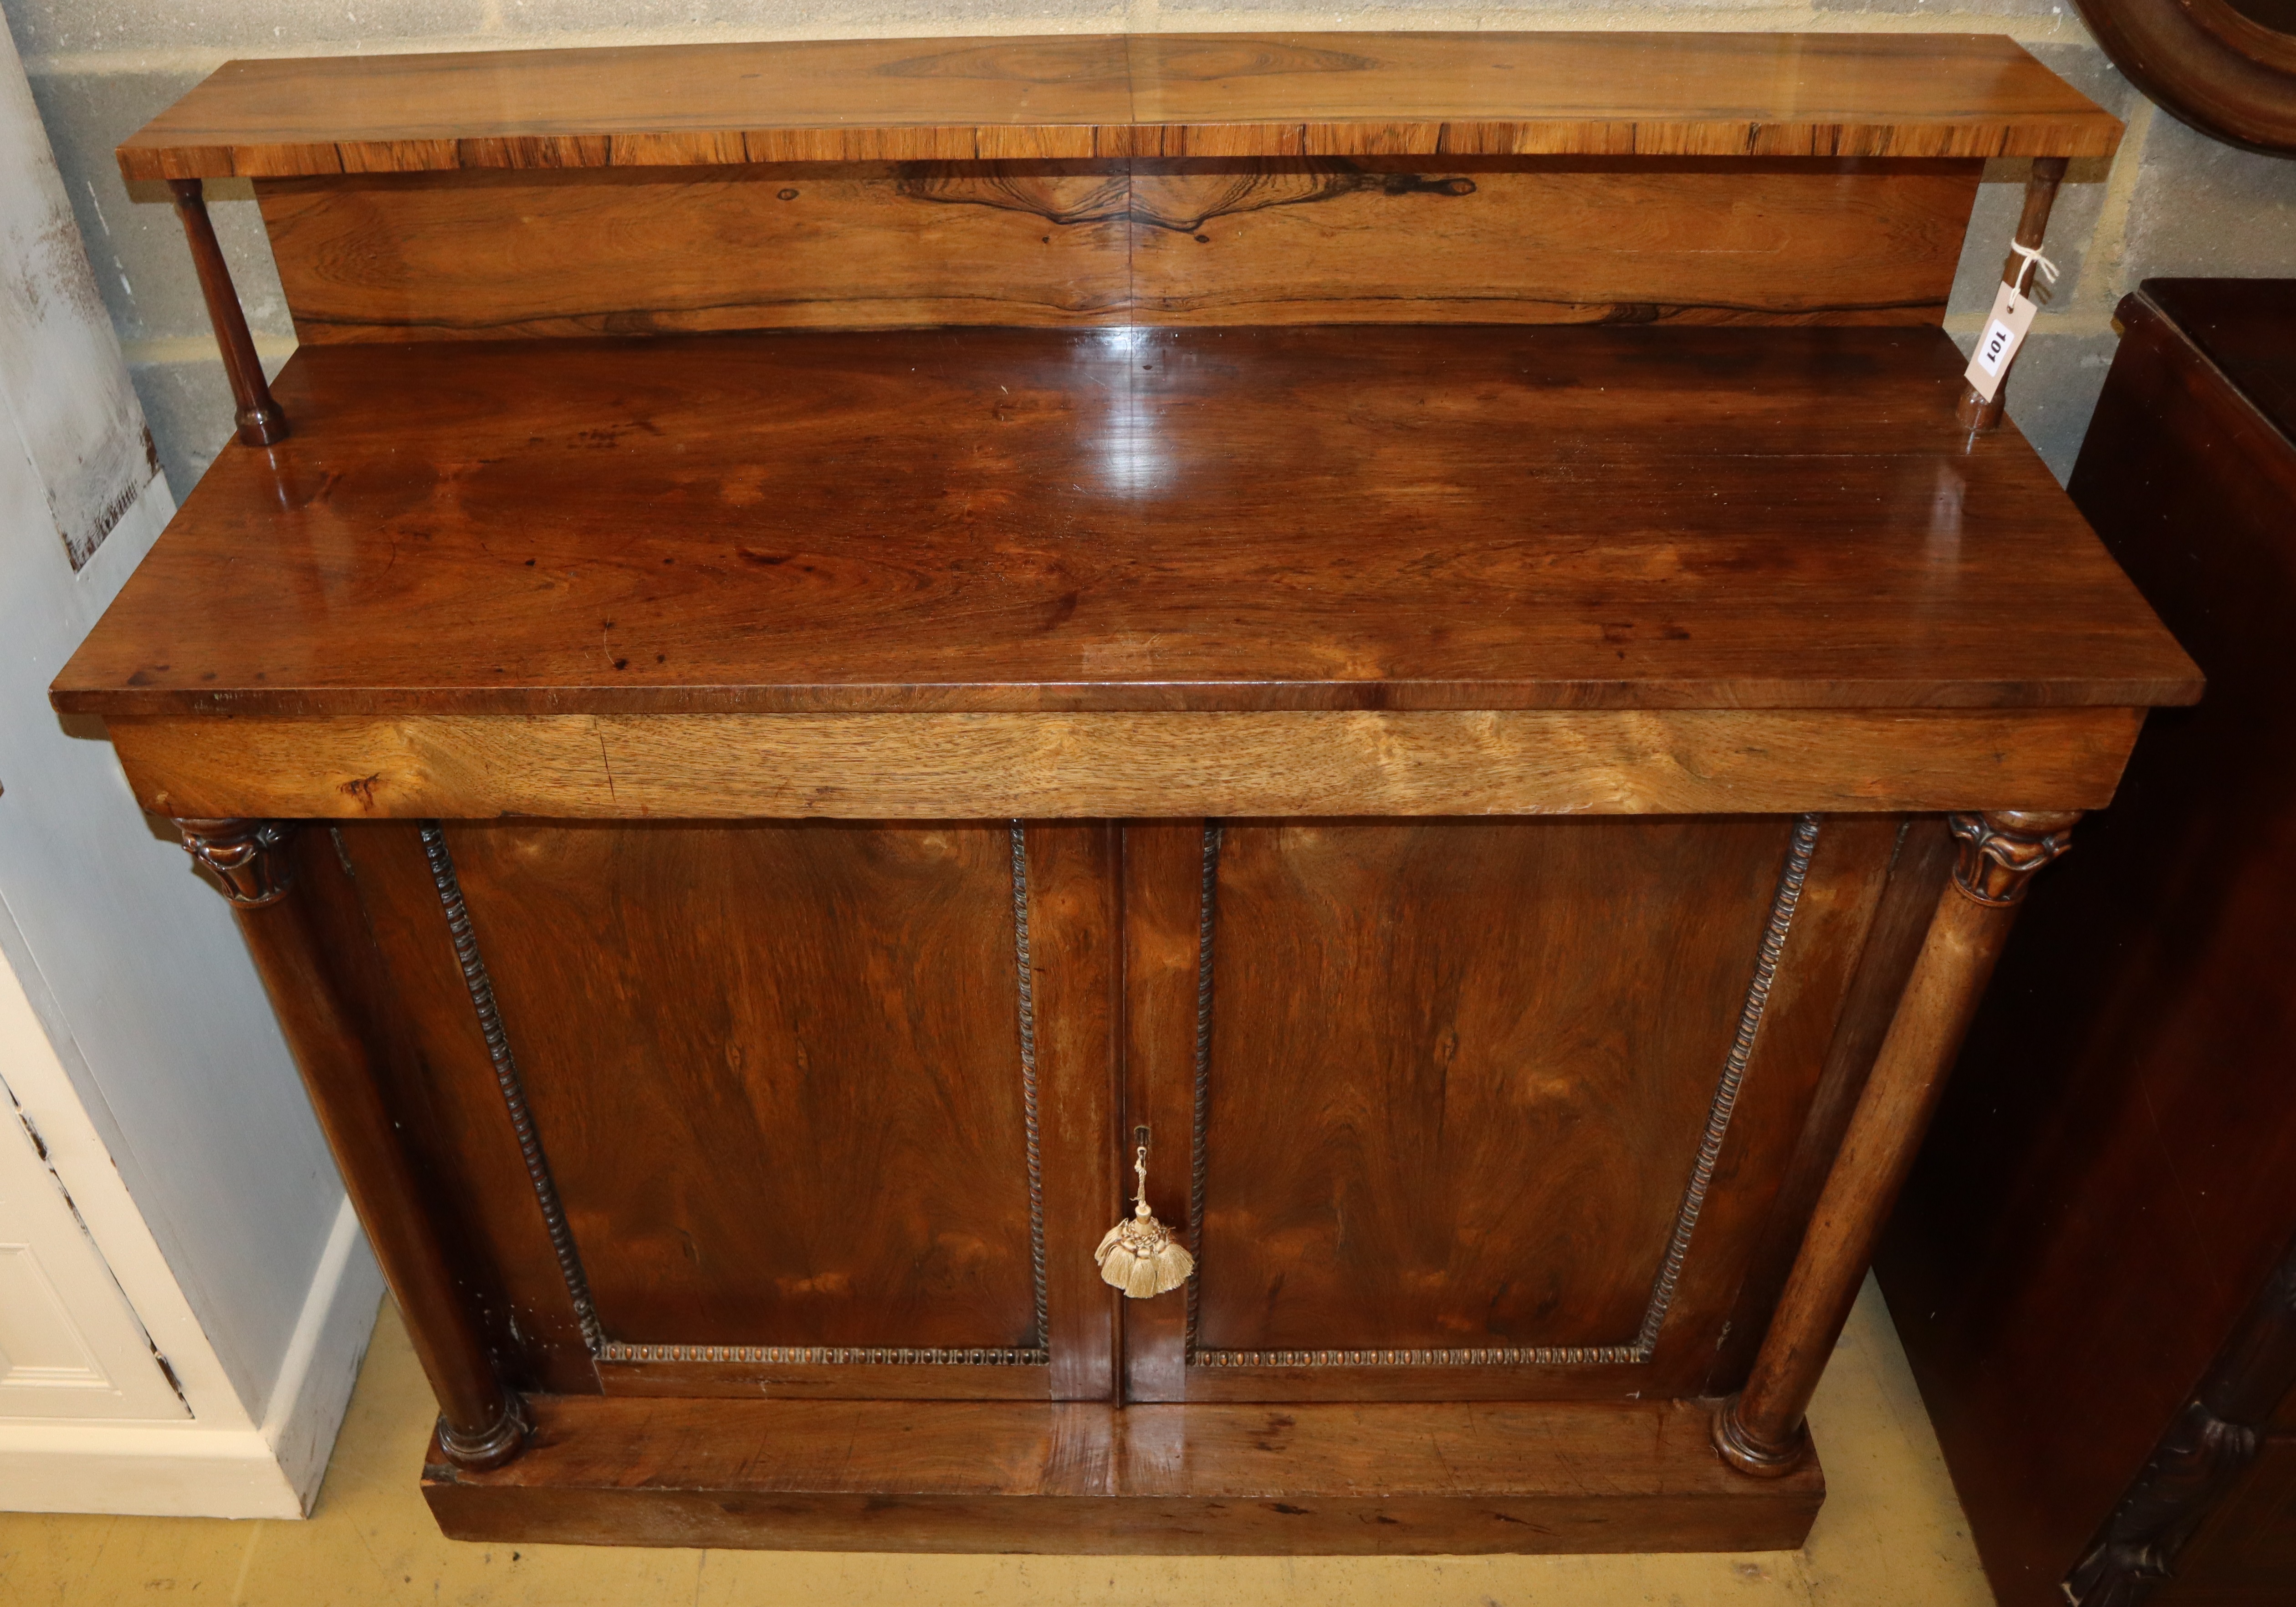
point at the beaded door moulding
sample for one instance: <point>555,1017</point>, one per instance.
<point>1644,1345</point>
<point>604,1348</point>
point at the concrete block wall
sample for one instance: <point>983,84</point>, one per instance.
<point>2171,202</point>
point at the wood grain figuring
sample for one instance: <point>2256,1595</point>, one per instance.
<point>1182,1480</point>
<point>340,1055</point>
<point>476,255</point>
<point>1076,946</point>
<point>1246,648</point>
<point>1814,984</point>
<point>1562,242</point>
<point>1563,1238</point>
<point>786,1008</point>
<point>1559,94</point>
<point>1917,868</point>
<point>1428,1132</point>
<point>966,767</point>
<point>1762,1431</point>
<point>950,100</point>
<point>799,1379</point>
<point>451,1119</point>
<point>1163,913</point>
<point>1281,94</point>
<point>996,520</point>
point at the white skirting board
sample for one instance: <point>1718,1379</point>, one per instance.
<point>184,1296</point>
<point>211,1469</point>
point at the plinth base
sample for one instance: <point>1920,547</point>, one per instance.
<point>1001,1476</point>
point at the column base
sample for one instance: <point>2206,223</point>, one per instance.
<point>1748,1454</point>
<point>493,1448</point>
<point>263,425</point>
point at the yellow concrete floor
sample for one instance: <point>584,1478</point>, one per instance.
<point>1891,1535</point>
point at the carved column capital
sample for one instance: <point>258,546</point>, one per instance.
<point>2001,850</point>
<point>247,858</point>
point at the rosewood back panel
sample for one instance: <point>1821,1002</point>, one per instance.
<point>1524,239</point>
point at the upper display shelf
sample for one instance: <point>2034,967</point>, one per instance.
<point>1340,94</point>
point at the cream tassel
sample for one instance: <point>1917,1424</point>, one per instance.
<point>1140,1255</point>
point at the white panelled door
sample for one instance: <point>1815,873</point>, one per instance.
<point>69,1345</point>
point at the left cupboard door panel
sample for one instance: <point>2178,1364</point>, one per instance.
<point>787,1089</point>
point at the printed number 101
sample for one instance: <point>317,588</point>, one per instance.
<point>1994,348</point>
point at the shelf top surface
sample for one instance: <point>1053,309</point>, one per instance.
<point>1102,96</point>
<point>1224,519</point>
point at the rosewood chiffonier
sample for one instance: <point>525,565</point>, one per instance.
<point>830,655</point>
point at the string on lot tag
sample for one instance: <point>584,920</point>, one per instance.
<point>2006,326</point>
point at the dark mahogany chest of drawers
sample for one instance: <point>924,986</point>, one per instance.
<point>2092,1266</point>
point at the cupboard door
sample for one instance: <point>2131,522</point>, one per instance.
<point>1474,1108</point>
<point>785,1103</point>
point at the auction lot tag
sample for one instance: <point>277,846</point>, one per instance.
<point>1997,348</point>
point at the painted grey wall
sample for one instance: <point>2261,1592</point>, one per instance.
<point>2170,203</point>
<point>133,964</point>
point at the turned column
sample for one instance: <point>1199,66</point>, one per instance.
<point>1974,412</point>
<point>261,420</point>
<point>1760,1430</point>
<point>481,1423</point>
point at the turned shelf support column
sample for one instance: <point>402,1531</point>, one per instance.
<point>1760,1430</point>
<point>481,1423</point>
<point>1975,413</point>
<point>260,422</point>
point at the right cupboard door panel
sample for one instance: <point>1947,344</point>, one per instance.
<point>1476,1108</point>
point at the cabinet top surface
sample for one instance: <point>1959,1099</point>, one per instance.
<point>1002,518</point>
<point>1127,95</point>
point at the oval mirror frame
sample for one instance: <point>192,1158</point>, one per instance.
<point>2211,63</point>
